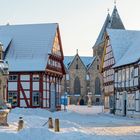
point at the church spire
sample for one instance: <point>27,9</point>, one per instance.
<point>116,22</point>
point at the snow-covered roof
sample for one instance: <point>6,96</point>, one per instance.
<point>113,22</point>
<point>5,40</point>
<point>87,61</point>
<point>29,47</point>
<point>68,60</point>
<point>125,46</point>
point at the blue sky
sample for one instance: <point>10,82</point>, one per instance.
<point>80,20</point>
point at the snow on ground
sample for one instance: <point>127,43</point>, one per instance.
<point>77,123</point>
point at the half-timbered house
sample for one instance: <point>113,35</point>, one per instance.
<point>35,57</point>
<point>116,47</point>
<point>127,77</point>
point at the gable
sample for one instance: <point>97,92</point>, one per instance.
<point>77,61</point>
<point>56,50</point>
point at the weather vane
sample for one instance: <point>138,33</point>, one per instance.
<point>115,1</point>
<point>108,10</point>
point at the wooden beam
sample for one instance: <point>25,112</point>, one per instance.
<point>23,93</point>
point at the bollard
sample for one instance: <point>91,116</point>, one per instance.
<point>50,123</point>
<point>57,125</point>
<point>20,123</point>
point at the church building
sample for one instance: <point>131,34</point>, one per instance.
<point>81,78</point>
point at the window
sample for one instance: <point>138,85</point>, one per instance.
<point>87,77</point>
<point>36,99</point>
<point>97,100</point>
<point>119,75</point>
<point>13,78</point>
<point>127,74</point>
<point>136,71</point>
<point>123,75</point>
<point>12,98</point>
<point>131,72</point>
<point>36,77</point>
<point>97,86</point>
<point>77,86</point>
<point>97,67</point>
<point>67,77</point>
<point>76,66</point>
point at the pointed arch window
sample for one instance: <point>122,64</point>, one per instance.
<point>77,86</point>
<point>97,86</point>
<point>87,77</point>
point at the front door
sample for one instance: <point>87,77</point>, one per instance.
<point>53,98</point>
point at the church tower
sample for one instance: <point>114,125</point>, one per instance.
<point>113,22</point>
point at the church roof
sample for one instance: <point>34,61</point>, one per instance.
<point>87,61</point>
<point>125,46</point>
<point>27,46</point>
<point>113,22</point>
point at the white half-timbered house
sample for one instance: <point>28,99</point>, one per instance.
<point>35,57</point>
<point>121,49</point>
<point>127,78</point>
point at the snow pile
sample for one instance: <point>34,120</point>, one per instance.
<point>78,123</point>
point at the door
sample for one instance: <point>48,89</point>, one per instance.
<point>53,98</point>
<point>124,103</point>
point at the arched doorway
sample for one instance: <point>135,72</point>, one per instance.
<point>97,86</point>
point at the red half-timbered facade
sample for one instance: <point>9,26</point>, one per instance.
<point>35,59</point>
